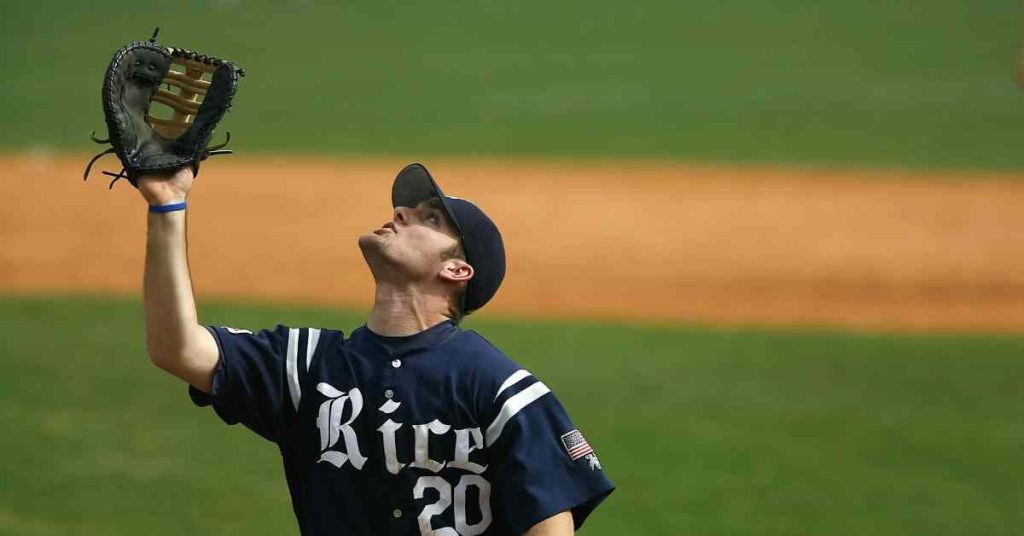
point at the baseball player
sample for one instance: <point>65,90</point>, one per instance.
<point>407,425</point>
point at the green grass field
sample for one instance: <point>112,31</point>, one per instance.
<point>928,83</point>
<point>705,431</point>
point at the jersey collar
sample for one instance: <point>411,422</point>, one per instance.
<point>410,344</point>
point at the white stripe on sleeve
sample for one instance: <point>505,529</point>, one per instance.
<point>311,342</point>
<point>515,378</point>
<point>291,367</point>
<point>512,406</point>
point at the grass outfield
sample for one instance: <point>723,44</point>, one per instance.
<point>704,431</point>
<point>913,83</point>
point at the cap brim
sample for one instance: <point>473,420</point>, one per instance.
<point>414,185</point>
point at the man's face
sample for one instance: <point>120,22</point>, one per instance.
<point>410,246</point>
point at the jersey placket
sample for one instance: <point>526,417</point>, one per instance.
<point>399,510</point>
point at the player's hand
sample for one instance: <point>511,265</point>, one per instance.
<point>161,189</point>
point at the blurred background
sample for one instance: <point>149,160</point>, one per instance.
<point>767,252</point>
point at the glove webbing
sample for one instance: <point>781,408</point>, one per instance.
<point>190,88</point>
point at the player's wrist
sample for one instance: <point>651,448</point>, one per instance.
<point>157,192</point>
<point>157,201</point>
<point>168,207</point>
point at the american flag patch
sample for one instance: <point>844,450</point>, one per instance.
<point>575,445</point>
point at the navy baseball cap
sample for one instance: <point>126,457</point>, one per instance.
<point>481,241</point>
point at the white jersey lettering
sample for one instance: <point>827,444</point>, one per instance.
<point>329,421</point>
<point>422,433</point>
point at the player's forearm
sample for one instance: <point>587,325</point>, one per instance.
<point>556,525</point>
<point>173,332</point>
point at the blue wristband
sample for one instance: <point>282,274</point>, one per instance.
<point>160,209</point>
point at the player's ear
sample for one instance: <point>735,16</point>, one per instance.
<point>456,271</point>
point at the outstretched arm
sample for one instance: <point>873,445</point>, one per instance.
<point>174,339</point>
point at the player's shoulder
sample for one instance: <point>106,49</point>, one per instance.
<point>476,357</point>
<point>278,330</point>
<point>480,351</point>
<point>501,386</point>
<point>280,335</point>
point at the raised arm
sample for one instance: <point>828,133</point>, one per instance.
<point>174,339</point>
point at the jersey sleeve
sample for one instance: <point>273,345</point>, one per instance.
<point>256,379</point>
<point>542,464</point>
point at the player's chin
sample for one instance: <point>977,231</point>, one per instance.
<point>373,244</point>
<point>370,240</point>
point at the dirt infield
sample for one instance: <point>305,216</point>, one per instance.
<point>648,241</point>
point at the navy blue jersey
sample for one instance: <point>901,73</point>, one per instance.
<point>437,433</point>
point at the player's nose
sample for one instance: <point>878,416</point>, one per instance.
<point>402,215</point>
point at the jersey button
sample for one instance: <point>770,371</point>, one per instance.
<point>396,363</point>
<point>389,394</point>
<point>397,513</point>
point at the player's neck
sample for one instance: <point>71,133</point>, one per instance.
<point>399,312</point>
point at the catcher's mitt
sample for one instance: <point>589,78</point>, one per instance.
<point>140,74</point>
